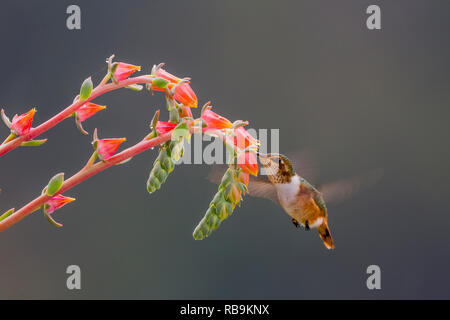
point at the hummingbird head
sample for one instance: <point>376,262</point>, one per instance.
<point>277,166</point>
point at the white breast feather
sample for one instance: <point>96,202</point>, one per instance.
<point>287,192</point>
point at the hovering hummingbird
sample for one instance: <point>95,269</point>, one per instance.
<point>304,203</point>
<point>298,197</point>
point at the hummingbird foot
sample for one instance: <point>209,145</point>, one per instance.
<point>295,222</point>
<point>306,226</point>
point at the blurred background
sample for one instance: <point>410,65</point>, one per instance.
<point>359,99</point>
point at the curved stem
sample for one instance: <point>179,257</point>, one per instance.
<point>82,175</point>
<point>98,91</point>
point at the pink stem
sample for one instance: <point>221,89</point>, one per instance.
<point>98,91</point>
<point>84,174</point>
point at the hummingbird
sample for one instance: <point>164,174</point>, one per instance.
<point>300,199</point>
<point>304,203</point>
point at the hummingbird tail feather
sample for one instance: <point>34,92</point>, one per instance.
<point>325,235</point>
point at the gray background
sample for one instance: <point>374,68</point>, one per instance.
<point>359,99</point>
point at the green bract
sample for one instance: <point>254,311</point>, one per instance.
<point>86,89</point>
<point>54,184</point>
<point>221,207</point>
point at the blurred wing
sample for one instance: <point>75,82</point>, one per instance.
<point>341,190</point>
<point>304,164</point>
<point>262,188</point>
<point>257,187</point>
<point>216,174</point>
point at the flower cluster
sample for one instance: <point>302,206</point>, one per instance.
<point>170,136</point>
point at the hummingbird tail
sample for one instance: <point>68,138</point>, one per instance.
<point>325,235</point>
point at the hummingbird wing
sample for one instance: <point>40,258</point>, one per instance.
<point>259,186</point>
<point>262,188</point>
<point>341,190</point>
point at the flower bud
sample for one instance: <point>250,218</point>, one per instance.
<point>186,112</point>
<point>248,163</point>
<point>168,76</point>
<point>57,202</point>
<point>214,121</point>
<point>124,70</point>
<point>243,139</point>
<point>21,125</point>
<point>185,95</point>
<point>164,127</point>
<point>88,110</point>
<point>107,147</point>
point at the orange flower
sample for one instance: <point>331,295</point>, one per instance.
<point>243,139</point>
<point>186,112</point>
<point>215,121</point>
<point>57,202</point>
<point>22,124</point>
<point>163,127</point>
<point>248,163</point>
<point>88,110</point>
<point>185,95</point>
<point>168,76</point>
<point>107,147</point>
<point>124,70</point>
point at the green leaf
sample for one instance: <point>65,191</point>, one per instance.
<point>51,220</point>
<point>180,131</point>
<point>135,87</point>
<point>160,83</point>
<point>86,89</point>
<point>55,184</point>
<point>6,214</point>
<point>33,143</point>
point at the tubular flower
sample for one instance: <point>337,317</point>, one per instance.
<point>243,139</point>
<point>107,147</point>
<point>186,112</point>
<point>185,95</point>
<point>21,125</point>
<point>124,70</point>
<point>215,121</point>
<point>168,76</point>
<point>248,163</point>
<point>57,202</point>
<point>88,110</point>
<point>163,127</point>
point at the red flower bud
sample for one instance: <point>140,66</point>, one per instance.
<point>88,110</point>
<point>124,70</point>
<point>185,95</point>
<point>248,163</point>
<point>163,127</point>
<point>57,202</point>
<point>107,147</point>
<point>215,121</point>
<point>21,125</point>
